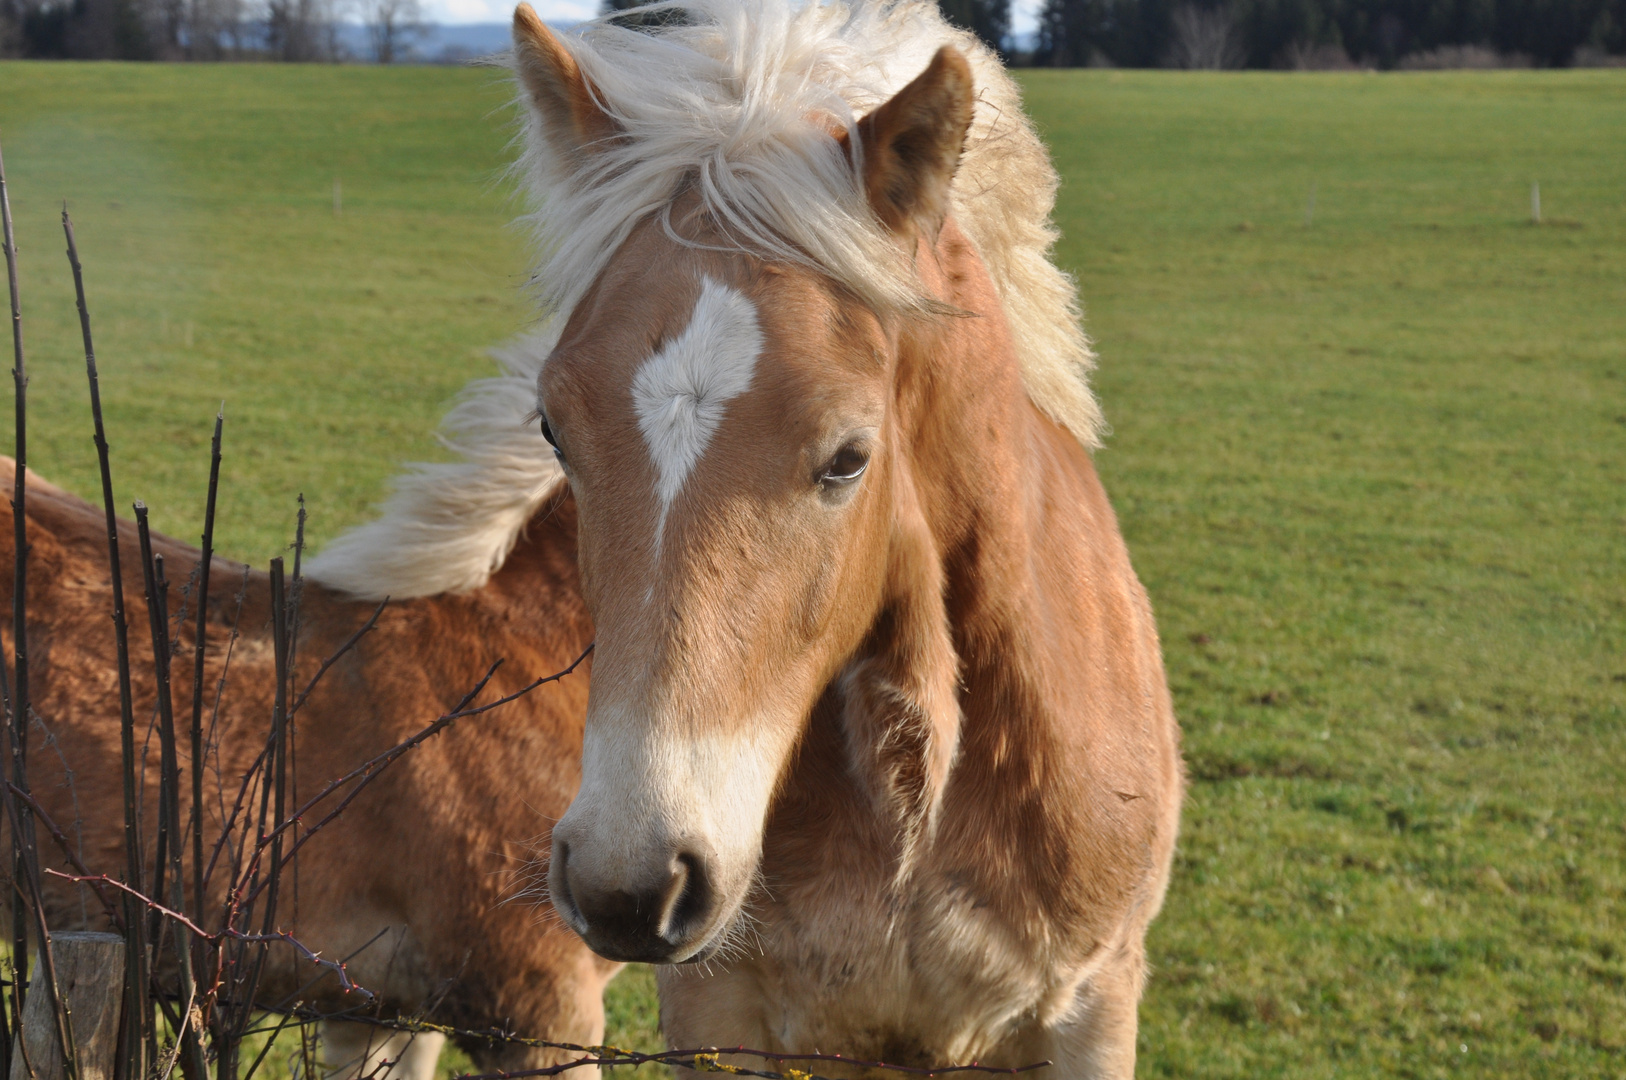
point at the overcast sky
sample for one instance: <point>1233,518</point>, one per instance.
<point>1023,12</point>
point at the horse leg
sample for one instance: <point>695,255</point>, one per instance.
<point>569,1008</point>
<point>1098,1041</point>
<point>364,1052</point>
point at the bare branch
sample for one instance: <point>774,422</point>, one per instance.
<point>135,953</point>
<point>337,967</point>
<point>349,643</point>
<point>363,774</point>
<point>25,856</point>
<point>206,558</point>
<point>72,855</point>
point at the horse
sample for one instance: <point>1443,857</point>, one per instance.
<point>879,755</point>
<point>421,883</point>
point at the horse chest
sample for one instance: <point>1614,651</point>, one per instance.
<point>929,976</point>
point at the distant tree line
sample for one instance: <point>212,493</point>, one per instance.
<point>1298,33</point>
<point>294,30</point>
<point>1328,33</point>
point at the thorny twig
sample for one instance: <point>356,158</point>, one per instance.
<point>228,934</point>
<point>366,772</point>
<point>299,992</point>
<point>68,781</point>
<point>349,643</point>
<point>249,775</point>
<point>62,842</point>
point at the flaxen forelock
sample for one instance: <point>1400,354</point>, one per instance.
<point>736,102</point>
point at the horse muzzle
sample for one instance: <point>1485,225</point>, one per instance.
<point>663,915</point>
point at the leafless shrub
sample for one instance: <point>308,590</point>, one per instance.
<point>1591,56</point>
<point>1303,56</point>
<point>394,26</point>
<point>216,29</point>
<point>1205,39</point>
<point>1462,57</point>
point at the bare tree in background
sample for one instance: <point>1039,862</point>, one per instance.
<point>216,29</point>
<point>394,25</point>
<point>303,30</point>
<point>1205,39</point>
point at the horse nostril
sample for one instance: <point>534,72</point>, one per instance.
<point>688,899</point>
<point>559,889</point>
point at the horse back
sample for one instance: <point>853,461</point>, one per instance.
<point>423,863</point>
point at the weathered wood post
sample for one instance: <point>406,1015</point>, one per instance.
<point>90,972</point>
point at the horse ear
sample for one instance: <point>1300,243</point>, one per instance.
<point>900,696</point>
<point>571,116</point>
<point>912,144</point>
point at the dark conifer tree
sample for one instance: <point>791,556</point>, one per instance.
<point>990,20</point>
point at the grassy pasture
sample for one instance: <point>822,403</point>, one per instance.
<point>1372,468</point>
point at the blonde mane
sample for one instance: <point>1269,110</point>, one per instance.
<point>735,101</point>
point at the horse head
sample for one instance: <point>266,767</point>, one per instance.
<point>742,434</point>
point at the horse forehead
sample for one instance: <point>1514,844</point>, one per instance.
<point>682,390</point>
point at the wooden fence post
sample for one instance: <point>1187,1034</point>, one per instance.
<point>90,973</point>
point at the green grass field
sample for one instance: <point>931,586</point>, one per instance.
<point>1372,468</point>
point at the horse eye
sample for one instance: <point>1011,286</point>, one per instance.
<point>547,433</point>
<point>848,465</point>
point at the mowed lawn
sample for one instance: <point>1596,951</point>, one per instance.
<point>1370,458</point>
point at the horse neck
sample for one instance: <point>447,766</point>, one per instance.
<point>990,467</point>
<point>1050,626</point>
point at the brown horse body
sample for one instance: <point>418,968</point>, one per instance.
<point>430,854</point>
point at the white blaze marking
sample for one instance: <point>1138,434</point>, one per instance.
<point>680,392</point>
